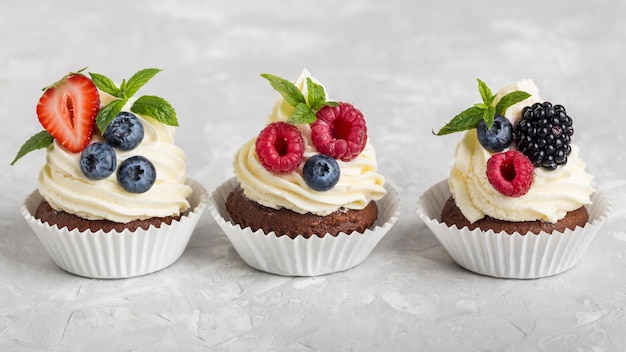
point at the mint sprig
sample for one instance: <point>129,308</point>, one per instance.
<point>304,109</point>
<point>147,105</point>
<point>38,141</point>
<point>469,118</point>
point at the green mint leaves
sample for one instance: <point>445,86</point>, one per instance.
<point>39,141</point>
<point>304,112</point>
<point>147,105</point>
<point>469,118</point>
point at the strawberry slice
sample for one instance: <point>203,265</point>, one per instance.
<point>67,110</point>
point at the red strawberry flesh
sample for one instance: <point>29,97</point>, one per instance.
<point>67,110</point>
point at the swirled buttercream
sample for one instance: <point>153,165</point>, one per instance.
<point>551,196</point>
<point>358,184</point>
<point>63,185</point>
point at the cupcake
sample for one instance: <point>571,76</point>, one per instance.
<point>307,198</point>
<point>113,199</point>
<point>518,202</point>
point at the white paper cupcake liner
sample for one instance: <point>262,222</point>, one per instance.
<point>303,256</point>
<point>116,255</point>
<point>511,255</point>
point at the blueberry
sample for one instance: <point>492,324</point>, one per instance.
<point>98,161</point>
<point>136,174</point>
<point>498,137</point>
<point>125,131</point>
<point>321,172</point>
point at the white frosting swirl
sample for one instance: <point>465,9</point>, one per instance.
<point>358,184</point>
<point>63,185</point>
<point>551,196</point>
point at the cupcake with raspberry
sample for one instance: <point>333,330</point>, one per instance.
<point>113,198</point>
<point>519,202</point>
<point>307,198</point>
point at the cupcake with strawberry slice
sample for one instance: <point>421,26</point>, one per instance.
<point>519,202</point>
<point>307,198</point>
<point>113,197</point>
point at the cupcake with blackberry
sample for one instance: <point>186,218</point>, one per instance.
<point>519,202</point>
<point>113,197</point>
<point>307,198</point>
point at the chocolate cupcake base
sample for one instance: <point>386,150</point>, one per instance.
<point>301,256</point>
<point>48,215</point>
<point>284,222</point>
<point>514,255</point>
<point>452,215</point>
<point>116,255</point>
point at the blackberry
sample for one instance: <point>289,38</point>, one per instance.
<point>544,134</point>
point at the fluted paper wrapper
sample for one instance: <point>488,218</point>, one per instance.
<point>116,255</point>
<point>303,256</point>
<point>511,255</point>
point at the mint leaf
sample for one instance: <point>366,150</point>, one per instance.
<point>480,106</point>
<point>485,111</point>
<point>105,84</point>
<point>152,106</point>
<point>40,140</point>
<point>332,103</point>
<point>488,116</point>
<point>302,114</point>
<point>466,120</point>
<point>510,99</point>
<point>106,115</point>
<point>288,90</point>
<point>317,96</point>
<point>138,80</point>
<point>485,92</point>
<point>157,108</point>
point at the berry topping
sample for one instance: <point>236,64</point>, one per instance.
<point>544,134</point>
<point>510,173</point>
<point>498,137</point>
<point>339,131</point>
<point>136,174</point>
<point>280,147</point>
<point>321,172</point>
<point>486,111</point>
<point>98,161</point>
<point>67,110</point>
<point>125,132</point>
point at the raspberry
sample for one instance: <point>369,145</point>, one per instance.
<point>544,134</point>
<point>280,147</point>
<point>510,173</point>
<point>339,131</point>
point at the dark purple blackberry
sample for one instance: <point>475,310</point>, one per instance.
<point>544,134</point>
